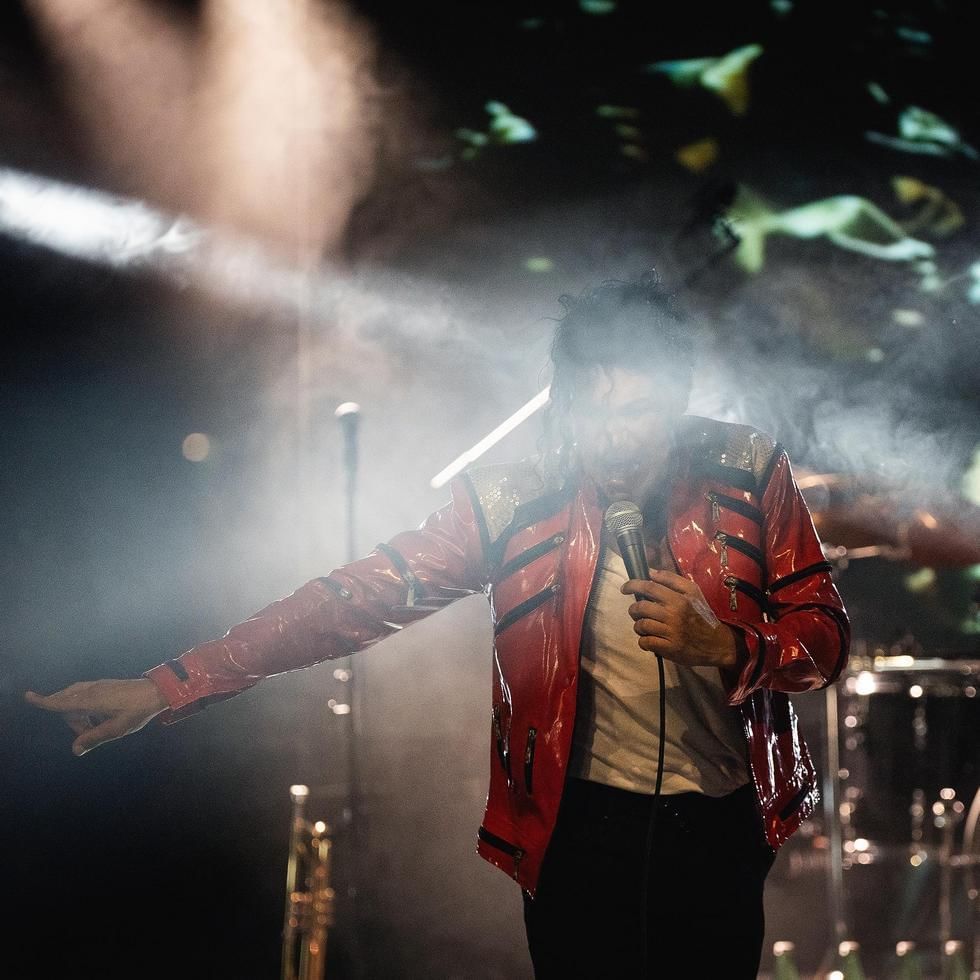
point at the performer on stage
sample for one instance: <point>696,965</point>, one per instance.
<point>618,879</point>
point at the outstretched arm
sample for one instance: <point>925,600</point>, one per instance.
<point>329,617</point>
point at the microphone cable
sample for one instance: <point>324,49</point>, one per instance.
<point>652,824</point>
<point>625,521</point>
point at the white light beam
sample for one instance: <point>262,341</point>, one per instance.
<point>491,439</point>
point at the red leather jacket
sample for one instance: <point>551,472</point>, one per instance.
<point>736,525</point>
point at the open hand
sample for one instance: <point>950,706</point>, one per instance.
<point>100,711</point>
<point>672,618</point>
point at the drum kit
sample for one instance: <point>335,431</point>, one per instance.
<point>899,834</point>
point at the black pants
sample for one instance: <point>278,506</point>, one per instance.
<point>704,902</point>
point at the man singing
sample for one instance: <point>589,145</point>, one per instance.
<point>640,818</point>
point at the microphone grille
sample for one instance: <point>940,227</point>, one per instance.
<point>622,516</point>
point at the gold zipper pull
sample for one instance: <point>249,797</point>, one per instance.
<point>715,507</point>
<point>730,583</point>
<point>722,539</point>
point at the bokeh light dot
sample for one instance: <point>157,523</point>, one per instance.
<point>196,447</point>
<point>539,263</point>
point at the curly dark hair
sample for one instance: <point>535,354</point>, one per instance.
<point>632,324</point>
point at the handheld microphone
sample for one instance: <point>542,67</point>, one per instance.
<point>624,520</point>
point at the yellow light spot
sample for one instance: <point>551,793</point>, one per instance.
<point>196,447</point>
<point>699,155</point>
<point>908,189</point>
<point>937,213</point>
<point>921,580</point>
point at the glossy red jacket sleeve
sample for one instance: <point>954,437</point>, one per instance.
<point>804,644</point>
<point>334,616</point>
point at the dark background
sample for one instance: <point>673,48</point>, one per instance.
<point>164,854</point>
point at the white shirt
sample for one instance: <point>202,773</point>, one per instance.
<point>617,728</point>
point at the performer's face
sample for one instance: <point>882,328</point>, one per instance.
<point>624,424</point>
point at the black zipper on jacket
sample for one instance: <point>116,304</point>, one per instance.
<point>503,748</point>
<point>532,736</point>
<point>734,584</point>
<point>517,853</point>
<point>523,608</point>
<point>794,803</point>
<point>719,500</point>
<point>738,544</point>
<point>801,573</point>
<point>526,557</point>
<point>727,475</point>
<point>341,590</point>
<point>407,575</point>
<point>526,515</point>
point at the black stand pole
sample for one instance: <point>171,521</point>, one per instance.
<point>348,415</point>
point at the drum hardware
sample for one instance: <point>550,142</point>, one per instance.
<point>908,961</point>
<point>309,897</point>
<point>947,813</point>
<point>862,517</point>
<point>834,827</point>
<point>934,814</point>
<point>784,966</point>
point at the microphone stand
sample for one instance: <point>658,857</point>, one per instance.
<point>348,415</point>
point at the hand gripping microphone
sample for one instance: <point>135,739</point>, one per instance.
<point>624,521</point>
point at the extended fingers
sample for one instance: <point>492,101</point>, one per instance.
<point>95,736</point>
<point>73,698</point>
